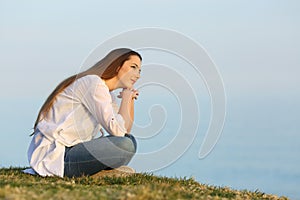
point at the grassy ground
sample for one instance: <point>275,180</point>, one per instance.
<point>16,185</point>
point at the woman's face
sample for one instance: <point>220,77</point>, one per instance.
<point>130,71</point>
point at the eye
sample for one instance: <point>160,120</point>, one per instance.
<point>136,67</point>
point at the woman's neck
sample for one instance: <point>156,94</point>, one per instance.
<point>112,83</point>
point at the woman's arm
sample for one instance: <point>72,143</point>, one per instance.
<point>95,96</point>
<point>127,107</point>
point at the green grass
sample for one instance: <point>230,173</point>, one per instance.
<point>16,185</point>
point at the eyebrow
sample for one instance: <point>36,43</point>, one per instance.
<point>136,66</point>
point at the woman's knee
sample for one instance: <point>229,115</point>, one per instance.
<point>127,143</point>
<point>132,138</point>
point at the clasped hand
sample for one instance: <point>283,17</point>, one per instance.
<point>128,93</point>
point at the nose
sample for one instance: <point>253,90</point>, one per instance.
<point>138,75</point>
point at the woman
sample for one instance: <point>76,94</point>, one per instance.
<point>64,139</point>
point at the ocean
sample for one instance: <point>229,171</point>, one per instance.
<point>259,148</point>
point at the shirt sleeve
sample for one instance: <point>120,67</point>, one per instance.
<point>98,101</point>
<point>114,103</point>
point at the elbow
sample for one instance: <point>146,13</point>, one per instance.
<point>117,128</point>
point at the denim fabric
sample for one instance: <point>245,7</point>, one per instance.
<point>90,157</point>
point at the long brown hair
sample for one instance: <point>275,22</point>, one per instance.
<point>106,68</point>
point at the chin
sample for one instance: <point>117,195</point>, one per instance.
<point>129,85</point>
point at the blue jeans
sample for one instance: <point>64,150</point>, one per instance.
<point>90,157</point>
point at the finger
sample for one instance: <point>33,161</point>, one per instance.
<point>120,94</point>
<point>135,96</point>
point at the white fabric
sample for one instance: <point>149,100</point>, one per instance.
<point>76,116</point>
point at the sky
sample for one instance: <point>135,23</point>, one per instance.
<point>255,46</point>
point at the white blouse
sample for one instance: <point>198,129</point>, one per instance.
<point>77,115</point>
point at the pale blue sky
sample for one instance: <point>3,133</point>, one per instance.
<point>246,39</point>
<point>255,45</point>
